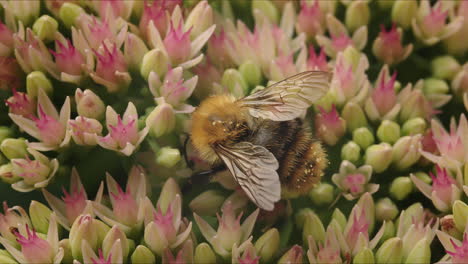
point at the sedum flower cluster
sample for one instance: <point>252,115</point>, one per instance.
<point>96,165</point>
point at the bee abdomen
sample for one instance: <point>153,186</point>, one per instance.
<point>302,168</point>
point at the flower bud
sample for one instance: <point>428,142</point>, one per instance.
<point>207,203</point>
<point>388,48</point>
<point>204,254</point>
<point>40,215</point>
<point>389,230</point>
<point>301,216</point>
<point>168,193</point>
<point>351,152</point>
<point>339,218</point>
<point>460,215</point>
<point>414,126</point>
<point>403,12</point>
<point>379,157</point>
<point>390,251</point>
<point>322,194</point>
<point>6,257</point>
<point>161,120</point>
<point>84,228</point>
<point>267,8</point>
<point>386,210</point>
<point>199,19</point>
<point>134,51</point>
<point>354,116</point>
<point>14,148</point>
<point>142,255</point>
<point>37,80</point>
<point>329,126</point>
<point>445,67</point>
<point>111,237</point>
<point>357,15</point>
<point>154,61</point>
<point>313,226</point>
<point>6,174</point>
<point>294,255</point>
<point>251,71</point>
<point>235,82</point>
<point>421,252</point>
<point>364,256</point>
<point>5,132</point>
<point>401,187</point>
<point>388,131</point>
<point>363,137</point>
<point>268,244</point>
<point>69,12</point>
<point>168,157</point>
<point>406,151</point>
<point>88,104</point>
<point>433,86</point>
<point>385,4</point>
<point>45,28</point>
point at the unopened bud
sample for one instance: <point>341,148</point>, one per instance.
<point>391,251</point>
<point>142,255</point>
<point>460,215</point>
<point>204,254</point>
<point>340,218</point>
<point>363,137</point>
<point>301,216</point>
<point>6,174</point>
<point>351,152</point>
<point>207,203</point>
<point>168,193</point>
<point>134,51</point>
<point>386,210</point>
<point>161,120</point>
<point>45,28</point>
<point>293,255</point>
<point>389,230</point>
<point>403,12</point>
<point>40,215</point>
<point>313,226</point>
<point>414,126</point>
<point>37,80</point>
<point>14,148</point>
<point>235,82</point>
<point>388,131</point>
<point>445,67</point>
<point>168,157</point>
<point>379,157</point>
<point>365,256</point>
<point>154,61</point>
<point>69,13</point>
<point>251,71</point>
<point>357,15</point>
<point>267,8</point>
<point>88,104</point>
<point>385,4</point>
<point>435,86</point>
<point>6,257</point>
<point>5,132</point>
<point>322,194</point>
<point>268,244</point>
<point>421,252</point>
<point>401,187</point>
<point>406,151</point>
<point>354,116</point>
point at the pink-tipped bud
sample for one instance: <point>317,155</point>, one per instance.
<point>75,202</point>
<point>444,189</point>
<point>229,227</point>
<point>164,223</point>
<point>217,50</point>
<point>97,31</point>
<point>317,61</point>
<point>10,74</point>
<point>68,58</point>
<point>32,171</point>
<point>124,206</point>
<point>155,11</point>
<point>177,44</point>
<point>294,255</point>
<point>330,127</point>
<point>84,130</point>
<point>460,252</point>
<point>88,104</point>
<point>388,46</point>
<point>51,131</point>
<point>6,40</point>
<point>109,61</point>
<point>34,248</point>
<point>311,19</point>
<point>384,96</point>
<point>21,104</point>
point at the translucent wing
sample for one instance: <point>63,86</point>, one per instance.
<point>287,99</point>
<point>254,168</point>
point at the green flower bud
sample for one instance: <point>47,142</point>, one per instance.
<point>134,51</point>
<point>142,255</point>
<point>401,187</point>
<point>6,174</point>
<point>235,82</point>
<point>326,101</point>
<point>378,156</point>
<point>403,12</point>
<point>14,148</point>
<point>251,71</point>
<point>386,210</point>
<point>352,56</point>
<point>69,13</point>
<point>67,254</point>
<point>406,151</point>
<point>445,67</point>
<point>363,137</point>
<point>389,230</point>
<point>357,15</point>
<point>421,253</point>
<point>88,104</point>
<point>460,215</point>
<point>301,216</point>
<point>414,126</point>
<point>268,9</point>
<point>154,61</point>
<point>313,227</point>
<point>423,177</point>
<point>37,80</point>
<point>84,228</point>
<point>114,234</point>
<point>390,251</point>
<point>351,152</point>
<point>340,218</point>
<point>40,215</point>
<point>385,4</point>
<point>433,86</point>
<point>268,244</point>
<point>168,193</point>
<point>207,203</point>
<point>354,116</point>
<point>3,159</point>
<point>168,157</point>
<point>388,131</point>
<point>204,254</point>
<point>161,120</point>
<point>364,256</point>
<point>5,132</point>
<point>322,194</point>
<point>5,257</point>
<point>45,28</point>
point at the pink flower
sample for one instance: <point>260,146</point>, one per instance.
<point>430,24</point>
<point>85,130</point>
<point>293,256</point>
<point>10,74</point>
<point>207,75</point>
<point>177,43</point>
<point>329,126</point>
<point>382,104</point>
<point>13,218</point>
<point>352,181</point>
<point>311,19</point>
<point>6,40</point>
<point>101,259</point>
<point>217,51</point>
<point>95,31</point>
<point>460,252</point>
<point>248,259</point>
<point>444,190</point>
<point>155,11</point>
<point>388,48</point>
<point>21,104</point>
<point>327,251</point>
<point>317,61</point>
<point>414,103</point>
<point>184,255</point>
<point>112,9</point>
<point>282,67</point>
<point>67,58</point>
<point>111,69</point>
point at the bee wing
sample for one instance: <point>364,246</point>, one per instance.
<point>254,168</point>
<point>287,99</point>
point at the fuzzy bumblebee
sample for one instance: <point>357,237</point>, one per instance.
<point>260,138</point>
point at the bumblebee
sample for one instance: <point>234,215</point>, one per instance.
<point>261,140</point>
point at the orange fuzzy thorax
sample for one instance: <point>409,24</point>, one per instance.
<point>218,120</point>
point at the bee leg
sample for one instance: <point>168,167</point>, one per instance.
<point>201,177</point>
<point>184,151</point>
